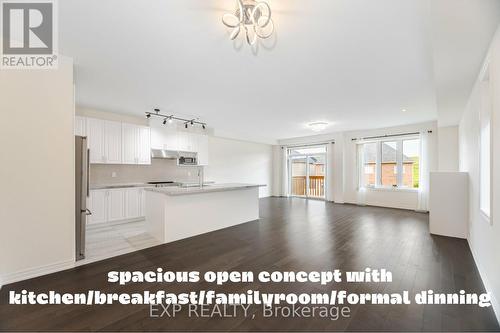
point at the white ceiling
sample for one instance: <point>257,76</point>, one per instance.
<point>353,63</point>
<point>462,32</point>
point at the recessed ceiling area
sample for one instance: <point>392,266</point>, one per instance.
<point>354,64</point>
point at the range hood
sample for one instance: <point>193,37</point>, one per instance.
<point>165,154</point>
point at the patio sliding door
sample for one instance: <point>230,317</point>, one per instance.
<point>307,172</point>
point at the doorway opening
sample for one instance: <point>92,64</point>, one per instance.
<point>307,172</point>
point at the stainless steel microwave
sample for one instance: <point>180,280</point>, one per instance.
<point>187,160</point>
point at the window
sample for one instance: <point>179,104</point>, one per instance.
<point>370,160</point>
<point>485,170</point>
<point>391,164</point>
<point>485,148</point>
<point>411,163</point>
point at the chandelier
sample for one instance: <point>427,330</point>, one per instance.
<point>253,18</point>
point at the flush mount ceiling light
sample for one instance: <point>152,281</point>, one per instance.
<point>318,126</point>
<point>253,17</point>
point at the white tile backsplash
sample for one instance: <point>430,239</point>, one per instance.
<point>159,170</point>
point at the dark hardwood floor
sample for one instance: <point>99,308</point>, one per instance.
<point>292,234</point>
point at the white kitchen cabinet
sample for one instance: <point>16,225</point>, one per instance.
<point>95,133</point>
<point>129,143</point>
<point>170,139</point>
<point>133,202</point>
<point>143,203</point>
<point>98,206</point>
<point>80,126</point>
<point>113,142</point>
<point>105,141</point>
<point>144,145</point>
<point>136,144</point>
<point>186,141</point>
<point>116,204</point>
<point>164,137</point>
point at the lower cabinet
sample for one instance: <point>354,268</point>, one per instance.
<point>118,204</point>
<point>98,206</point>
<point>133,202</point>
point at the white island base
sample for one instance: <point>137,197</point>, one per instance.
<point>177,213</point>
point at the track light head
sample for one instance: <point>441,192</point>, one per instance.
<point>148,115</point>
<point>156,110</point>
<point>164,121</point>
<point>192,123</point>
<point>186,125</point>
<point>170,120</point>
<point>203,126</point>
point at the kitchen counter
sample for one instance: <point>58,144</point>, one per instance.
<point>123,185</point>
<point>175,191</point>
<point>174,213</point>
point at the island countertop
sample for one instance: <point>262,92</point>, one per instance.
<point>175,191</point>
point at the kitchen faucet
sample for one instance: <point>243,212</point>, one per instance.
<point>200,176</point>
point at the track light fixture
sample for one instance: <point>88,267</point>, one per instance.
<point>170,119</point>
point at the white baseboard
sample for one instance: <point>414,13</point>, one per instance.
<point>35,272</point>
<point>487,285</point>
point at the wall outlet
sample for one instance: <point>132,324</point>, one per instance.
<point>113,174</point>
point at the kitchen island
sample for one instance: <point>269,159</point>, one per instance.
<point>174,213</point>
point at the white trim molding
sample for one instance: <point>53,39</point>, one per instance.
<point>35,272</point>
<point>487,286</point>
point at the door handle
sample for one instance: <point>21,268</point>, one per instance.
<point>87,212</point>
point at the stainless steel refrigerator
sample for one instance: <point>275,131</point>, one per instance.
<point>82,192</point>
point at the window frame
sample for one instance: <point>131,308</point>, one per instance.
<point>485,121</point>
<point>399,164</point>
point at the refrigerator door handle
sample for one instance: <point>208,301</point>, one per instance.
<point>88,172</point>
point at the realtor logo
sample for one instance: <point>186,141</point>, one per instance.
<point>28,34</point>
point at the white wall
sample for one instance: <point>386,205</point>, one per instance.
<point>233,161</point>
<point>344,179</point>
<point>484,237</point>
<point>37,171</point>
<point>448,149</point>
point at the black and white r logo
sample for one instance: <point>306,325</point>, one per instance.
<point>27,27</point>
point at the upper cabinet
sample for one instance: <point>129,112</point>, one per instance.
<point>164,137</point>
<point>144,149</point>
<point>187,141</point>
<point>136,147</point>
<point>95,134</point>
<point>112,142</point>
<point>104,140</point>
<point>170,138</point>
